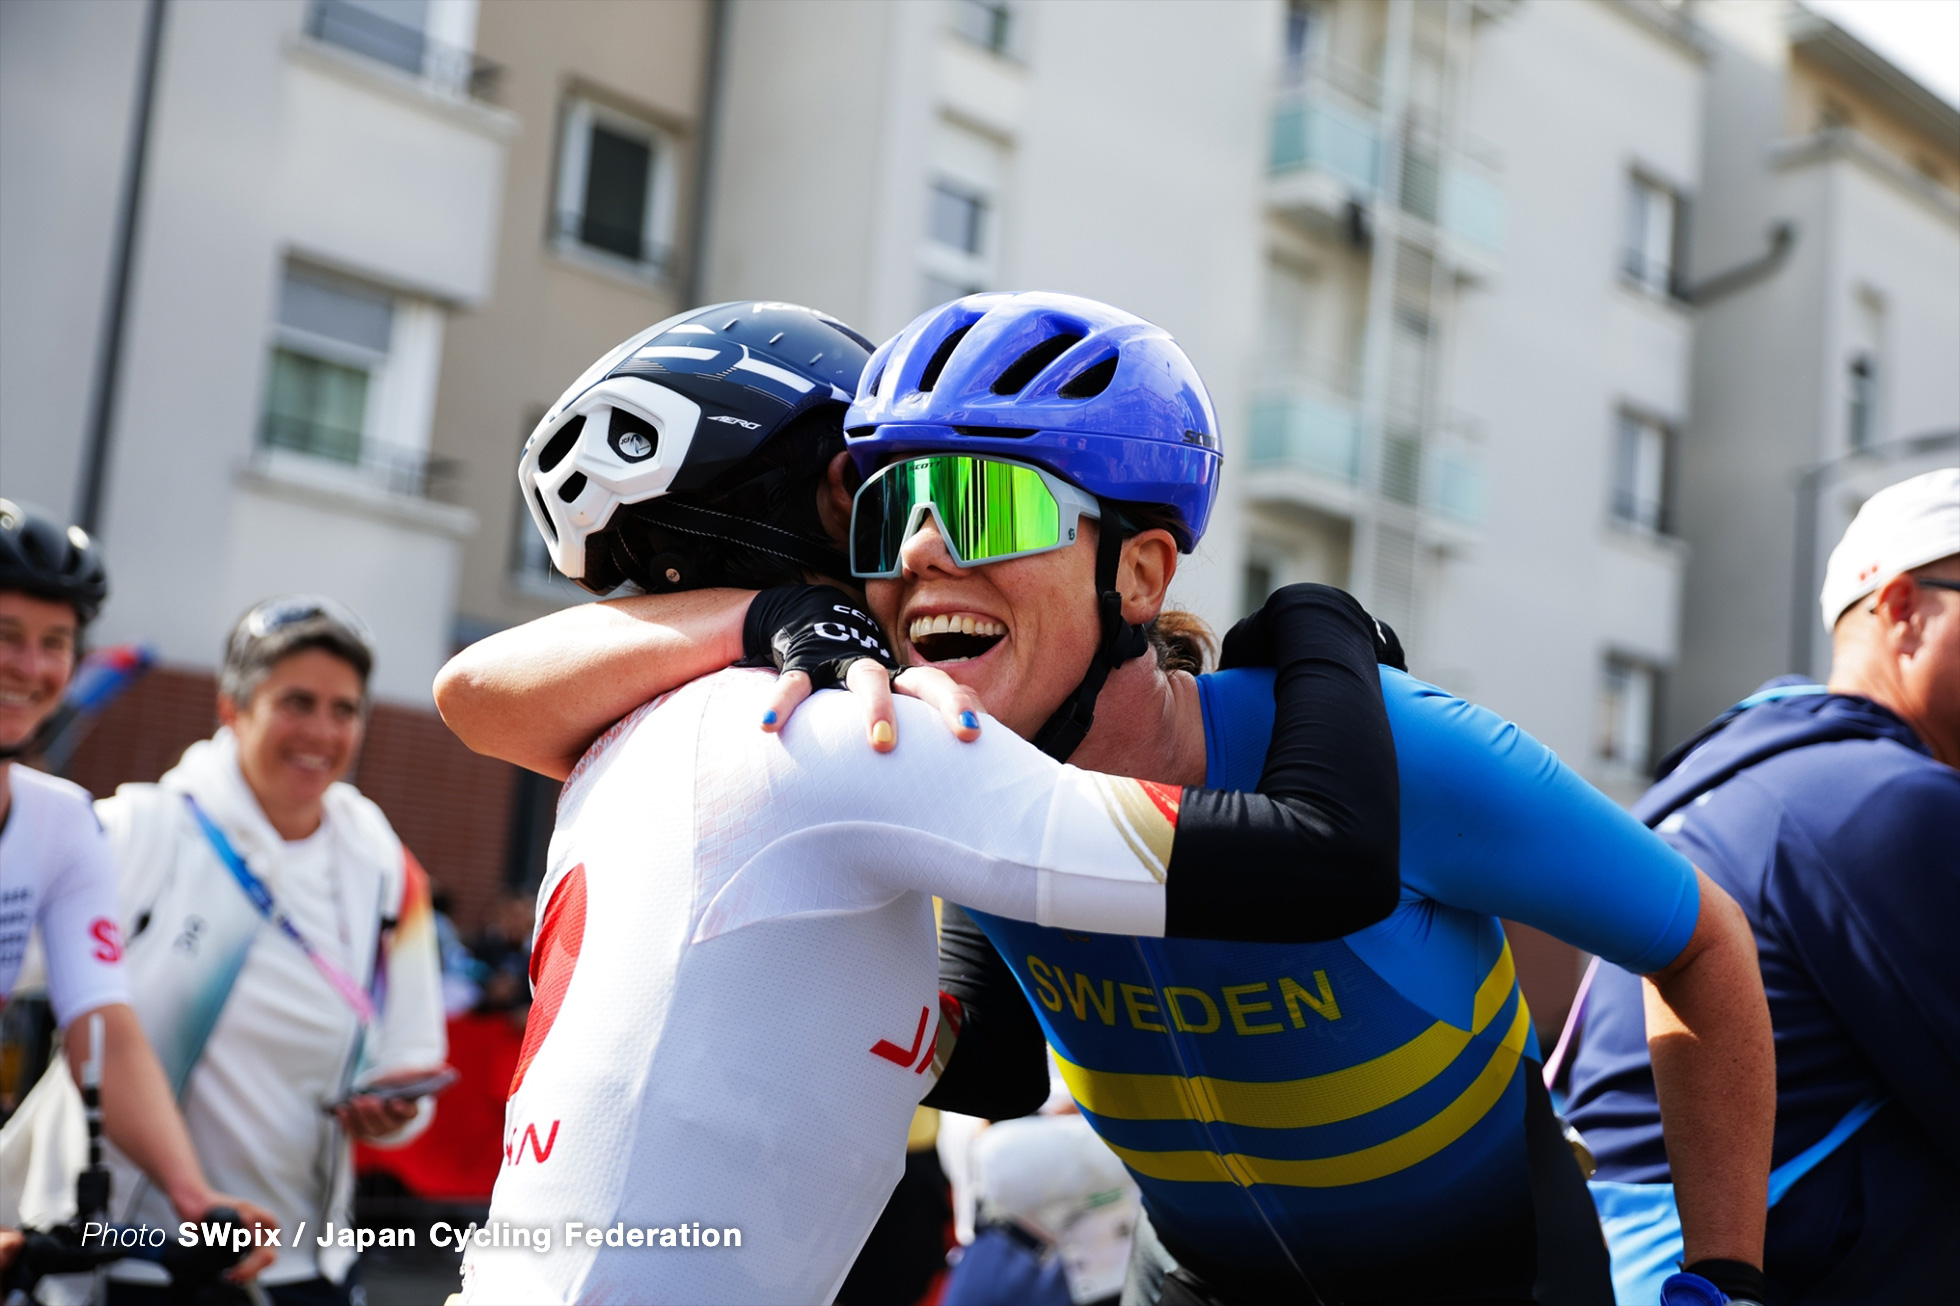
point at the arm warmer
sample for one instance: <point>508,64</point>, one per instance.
<point>1316,853</point>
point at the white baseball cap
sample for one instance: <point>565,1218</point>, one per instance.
<point>1901,527</point>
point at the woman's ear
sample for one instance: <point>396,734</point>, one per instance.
<point>834,499</point>
<point>1143,577</point>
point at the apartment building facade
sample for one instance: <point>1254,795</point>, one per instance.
<point>319,202</point>
<point>1832,375</point>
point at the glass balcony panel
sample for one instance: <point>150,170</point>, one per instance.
<point>1473,205</point>
<point>1455,482</point>
<point>1306,432</point>
<point>1311,133</point>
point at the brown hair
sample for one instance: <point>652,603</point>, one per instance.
<point>1181,640</point>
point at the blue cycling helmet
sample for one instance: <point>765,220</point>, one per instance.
<point>1100,397</point>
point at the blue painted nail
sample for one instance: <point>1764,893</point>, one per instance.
<point>769,717</point>
<point>970,721</point>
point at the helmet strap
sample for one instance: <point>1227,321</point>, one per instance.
<point>1064,732</point>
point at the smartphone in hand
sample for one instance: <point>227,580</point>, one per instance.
<point>404,1090</point>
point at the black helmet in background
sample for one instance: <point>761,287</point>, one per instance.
<point>49,559</point>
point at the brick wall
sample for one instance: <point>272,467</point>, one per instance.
<point>450,806</point>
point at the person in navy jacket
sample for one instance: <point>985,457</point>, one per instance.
<point>1832,814</point>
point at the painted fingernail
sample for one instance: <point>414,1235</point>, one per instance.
<point>769,717</point>
<point>970,721</point>
<point>882,733</point>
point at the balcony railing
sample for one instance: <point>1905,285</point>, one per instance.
<point>412,472</point>
<point>446,68</point>
<point>1316,131</point>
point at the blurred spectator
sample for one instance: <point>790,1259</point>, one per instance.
<point>462,973</point>
<point>282,945</point>
<point>503,956</point>
<point>1829,812</point>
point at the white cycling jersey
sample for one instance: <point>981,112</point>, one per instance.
<point>57,871</point>
<point>737,1004</point>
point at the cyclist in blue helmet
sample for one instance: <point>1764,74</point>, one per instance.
<point>736,1012</point>
<point>1355,1120</point>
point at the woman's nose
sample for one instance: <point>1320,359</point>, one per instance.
<point>925,551</point>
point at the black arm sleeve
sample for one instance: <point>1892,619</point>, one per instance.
<point>999,1066</point>
<point>1315,853</point>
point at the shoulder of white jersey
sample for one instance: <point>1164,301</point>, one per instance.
<point>68,801</point>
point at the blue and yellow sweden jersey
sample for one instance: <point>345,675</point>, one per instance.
<point>1328,1105</point>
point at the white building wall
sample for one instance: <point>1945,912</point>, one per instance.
<point>1771,361</point>
<point>262,147</point>
<point>1575,96</point>
<point>65,93</point>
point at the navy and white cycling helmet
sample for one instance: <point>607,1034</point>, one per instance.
<point>681,407</point>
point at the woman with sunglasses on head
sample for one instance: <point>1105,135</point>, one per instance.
<point>736,1011</point>
<point>281,944</point>
<point>57,876</point>
<point>1371,1122</point>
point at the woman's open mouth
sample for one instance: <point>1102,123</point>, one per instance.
<point>954,636</point>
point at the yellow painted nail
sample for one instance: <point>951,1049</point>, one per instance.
<point>882,733</point>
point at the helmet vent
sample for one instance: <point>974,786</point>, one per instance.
<point>560,443</point>
<point>544,514</point>
<point>940,355</point>
<point>1028,366</point>
<point>1090,381</point>
<point>876,381</point>
<point>573,487</point>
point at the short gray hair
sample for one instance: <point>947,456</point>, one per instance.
<point>278,628</point>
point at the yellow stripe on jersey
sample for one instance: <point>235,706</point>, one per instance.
<point>1294,1103</point>
<point>1384,1158</point>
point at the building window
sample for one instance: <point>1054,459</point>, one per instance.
<point>427,39</point>
<point>1640,472</point>
<point>986,23</point>
<point>958,217</point>
<point>331,342</point>
<point>1648,258</point>
<point>1628,696</point>
<point>1862,389</point>
<point>1261,579</point>
<point>1303,23</point>
<point>615,189</point>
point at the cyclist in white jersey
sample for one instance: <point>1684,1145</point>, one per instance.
<point>57,874</point>
<point>735,972</point>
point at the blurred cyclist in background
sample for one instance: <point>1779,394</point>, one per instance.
<point>1358,1119</point>
<point>58,875</point>
<point>281,942</point>
<point>1832,813</point>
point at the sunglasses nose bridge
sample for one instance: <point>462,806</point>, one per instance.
<point>923,511</point>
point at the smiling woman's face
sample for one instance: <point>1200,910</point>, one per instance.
<point>37,655</point>
<point>1018,633</point>
<point>298,733</point>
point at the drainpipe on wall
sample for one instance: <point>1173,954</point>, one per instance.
<point>710,128</point>
<point>109,347</point>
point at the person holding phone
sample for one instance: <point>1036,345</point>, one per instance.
<point>281,944</point>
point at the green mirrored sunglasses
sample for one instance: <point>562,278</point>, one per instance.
<point>987,510</point>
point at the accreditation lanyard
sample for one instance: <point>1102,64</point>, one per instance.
<point>261,898</point>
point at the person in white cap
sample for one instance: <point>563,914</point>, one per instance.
<point>1832,814</point>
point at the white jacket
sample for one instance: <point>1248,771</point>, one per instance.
<point>278,1042</point>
